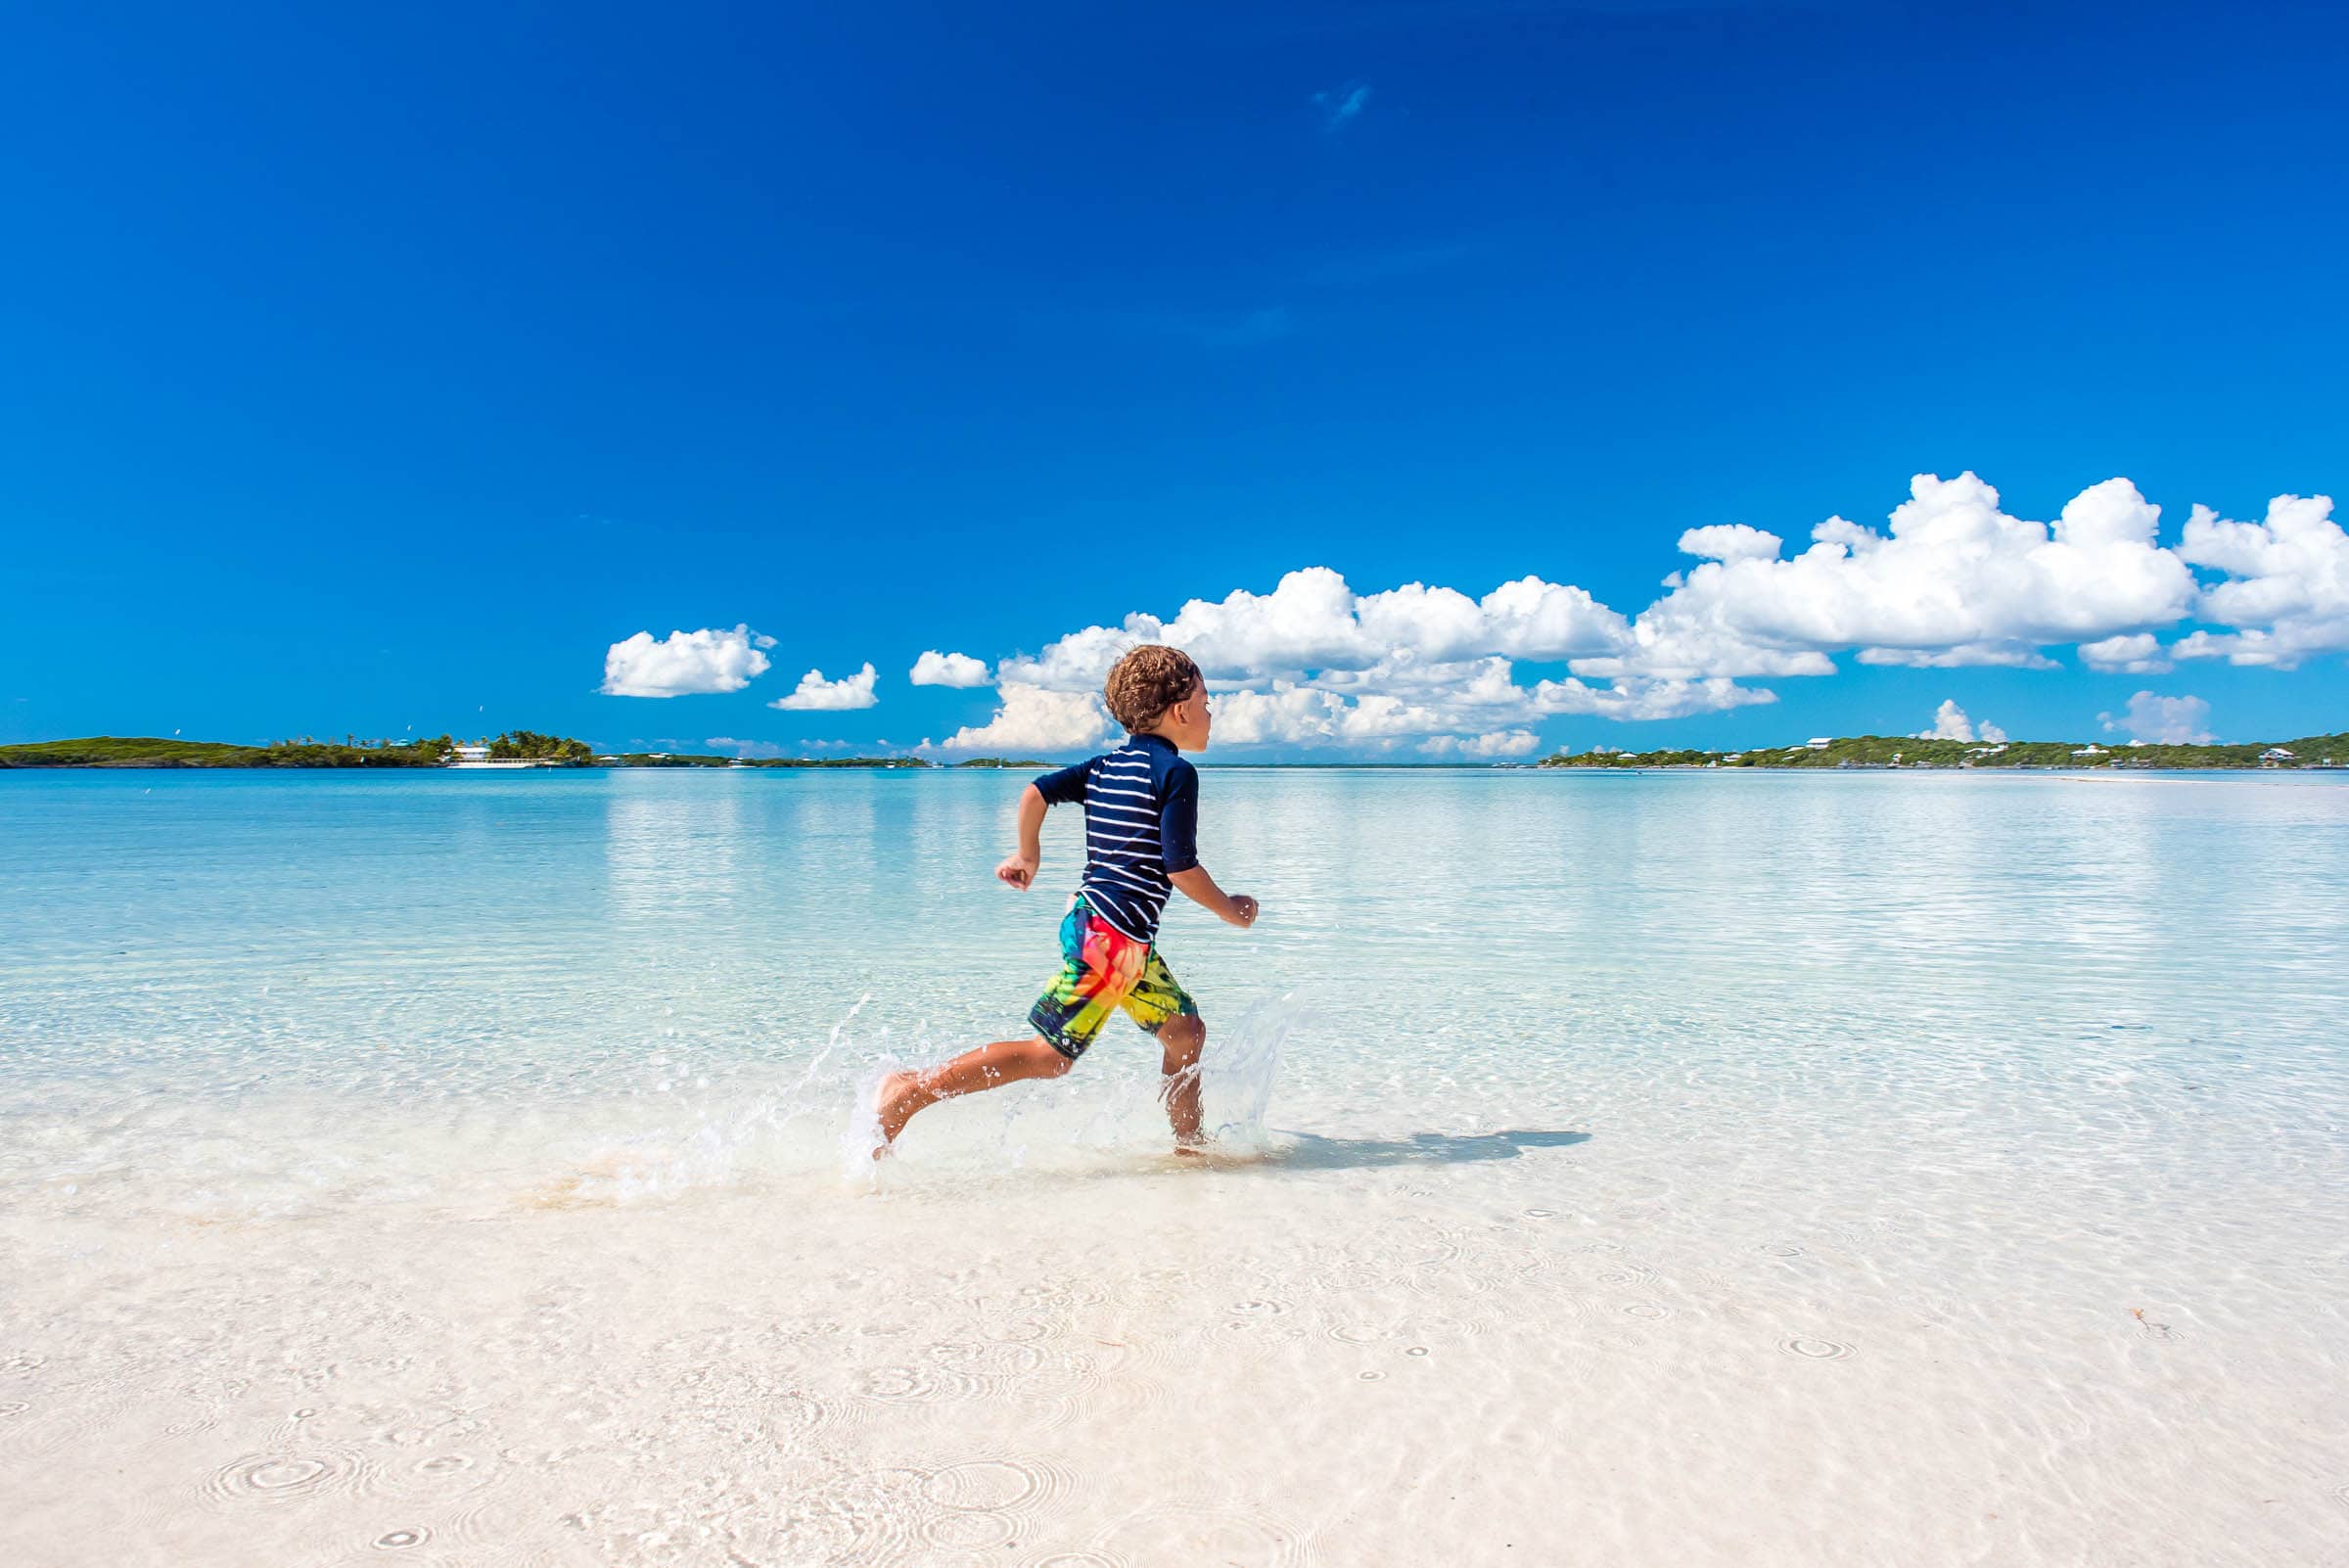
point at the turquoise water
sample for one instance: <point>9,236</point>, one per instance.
<point>488,940</point>
<point>1543,1073</point>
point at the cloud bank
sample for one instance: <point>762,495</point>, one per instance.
<point>1498,744</point>
<point>685,662</point>
<point>1952,581</point>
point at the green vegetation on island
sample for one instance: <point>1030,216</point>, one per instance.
<point>1909,752</point>
<point>439,750</point>
<point>112,751</point>
<point>528,746</point>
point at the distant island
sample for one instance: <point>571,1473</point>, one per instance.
<point>113,751</point>
<point>514,749</point>
<point>528,749</point>
<point>1909,752</point>
<point>715,760</point>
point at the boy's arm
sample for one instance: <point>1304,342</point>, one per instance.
<point>1178,847</point>
<point>1197,886</point>
<point>1063,785</point>
<point>1020,869</point>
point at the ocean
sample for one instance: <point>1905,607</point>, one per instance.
<point>1692,1168</point>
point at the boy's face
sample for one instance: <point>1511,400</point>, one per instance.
<point>1188,723</point>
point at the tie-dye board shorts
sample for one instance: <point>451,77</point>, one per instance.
<point>1103,969</point>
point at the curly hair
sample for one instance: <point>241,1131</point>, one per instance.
<point>1146,682</point>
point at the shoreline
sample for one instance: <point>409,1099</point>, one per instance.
<point>529,752</point>
<point>2078,770</point>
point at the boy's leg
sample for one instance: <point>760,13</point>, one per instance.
<point>1159,1003</point>
<point>1065,1017</point>
<point>1181,1040</point>
<point>1006,1061</point>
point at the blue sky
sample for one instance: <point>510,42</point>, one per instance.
<point>371,370</point>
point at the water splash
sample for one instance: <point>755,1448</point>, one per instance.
<point>1242,1064</point>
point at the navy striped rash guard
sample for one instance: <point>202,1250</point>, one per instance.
<point>1141,825</point>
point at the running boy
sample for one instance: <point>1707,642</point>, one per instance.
<point>1142,813</point>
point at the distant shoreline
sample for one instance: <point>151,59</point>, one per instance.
<point>520,751</point>
<point>1912,754</point>
<point>528,751</point>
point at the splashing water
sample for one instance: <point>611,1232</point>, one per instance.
<point>1243,1062</point>
<point>1237,1075</point>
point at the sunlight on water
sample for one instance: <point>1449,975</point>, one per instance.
<point>1667,1168</point>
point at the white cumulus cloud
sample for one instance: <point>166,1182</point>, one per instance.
<point>2287,587</point>
<point>1951,723</point>
<point>2163,720</point>
<point>935,669</point>
<point>685,662</point>
<point>2133,654</point>
<point>1035,718</point>
<point>815,694</point>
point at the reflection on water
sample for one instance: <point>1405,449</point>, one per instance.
<point>670,852</point>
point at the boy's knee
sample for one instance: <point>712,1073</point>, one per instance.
<point>1181,1038</point>
<point>1049,1062</point>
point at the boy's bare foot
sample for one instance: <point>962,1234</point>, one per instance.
<point>893,1107</point>
<point>1193,1148</point>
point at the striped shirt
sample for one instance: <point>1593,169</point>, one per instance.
<point>1141,825</point>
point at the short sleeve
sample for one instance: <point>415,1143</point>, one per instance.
<point>1064,786</point>
<point>1179,818</point>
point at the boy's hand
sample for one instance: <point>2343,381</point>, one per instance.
<point>1018,871</point>
<point>1194,883</point>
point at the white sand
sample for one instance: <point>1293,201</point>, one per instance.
<point>1685,1338</point>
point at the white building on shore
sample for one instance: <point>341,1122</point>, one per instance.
<point>479,757</point>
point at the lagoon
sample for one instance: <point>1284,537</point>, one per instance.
<point>1710,1169</point>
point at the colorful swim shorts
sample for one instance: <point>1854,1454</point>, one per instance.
<point>1102,969</point>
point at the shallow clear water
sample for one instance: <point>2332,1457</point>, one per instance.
<point>1672,1166</point>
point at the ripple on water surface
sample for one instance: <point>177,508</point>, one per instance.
<point>1815,1348</point>
<point>279,1478</point>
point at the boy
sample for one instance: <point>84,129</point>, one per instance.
<point>1141,812</point>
